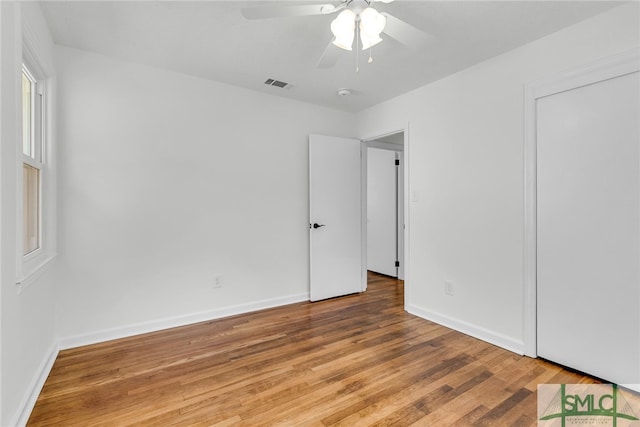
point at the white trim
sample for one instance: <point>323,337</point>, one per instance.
<point>634,387</point>
<point>384,133</point>
<point>23,282</point>
<point>470,329</point>
<point>407,222</point>
<point>33,391</point>
<point>530,226</point>
<point>172,322</point>
<point>606,68</point>
<point>364,182</point>
<point>385,146</point>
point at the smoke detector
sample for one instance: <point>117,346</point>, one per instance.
<point>344,92</point>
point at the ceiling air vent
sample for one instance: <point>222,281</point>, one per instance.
<point>277,83</point>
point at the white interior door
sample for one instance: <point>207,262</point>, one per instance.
<point>335,217</point>
<point>588,213</point>
<point>382,250</point>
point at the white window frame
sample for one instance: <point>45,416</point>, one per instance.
<point>31,265</point>
<point>36,161</point>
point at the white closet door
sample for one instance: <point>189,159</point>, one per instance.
<point>588,197</point>
<point>381,211</point>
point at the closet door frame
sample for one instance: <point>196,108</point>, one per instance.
<point>614,66</point>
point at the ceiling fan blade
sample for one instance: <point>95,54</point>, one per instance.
<point>286,11</point>
<point>330,56</point>
<point>406,34</point>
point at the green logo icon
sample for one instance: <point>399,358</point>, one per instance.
<point>589,404</point>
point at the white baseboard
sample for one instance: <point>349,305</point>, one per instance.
<point>33,391</point>
<point>469,329</point>
<point>172,322</point>
<point>633,387</point>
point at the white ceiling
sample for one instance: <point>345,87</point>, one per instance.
<point>211,39</point>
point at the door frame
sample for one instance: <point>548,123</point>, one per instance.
<point>398,150</point>
<point>607,68</point>
<point>405,167</point>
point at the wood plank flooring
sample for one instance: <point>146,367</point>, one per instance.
<point>359,360</point>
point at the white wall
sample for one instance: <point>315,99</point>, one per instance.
<point>167,181</point>
<point>27,318</point>
<point>466,175</point>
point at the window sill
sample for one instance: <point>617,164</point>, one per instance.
<point>34,273</point>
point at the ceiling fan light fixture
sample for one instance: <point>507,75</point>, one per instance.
<point>343,28</point>
<point>371,25</point>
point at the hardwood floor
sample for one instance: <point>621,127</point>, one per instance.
<point>351,361</point>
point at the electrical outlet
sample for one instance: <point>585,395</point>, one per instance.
<point>448,288</point>
<point>217,282</point>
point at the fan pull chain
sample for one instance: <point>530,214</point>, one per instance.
<point>370,56</point>
<point>357,48</point>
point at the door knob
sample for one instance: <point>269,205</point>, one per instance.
<point>316,225</point>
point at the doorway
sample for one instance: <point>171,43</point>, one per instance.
<point>385,197</point>
<point>338,179</point>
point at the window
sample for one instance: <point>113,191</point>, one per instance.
<point>35,231</point>
<point>35,160</point>
<point>32,163</point>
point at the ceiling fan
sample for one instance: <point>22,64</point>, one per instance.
<point>356,21</point>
